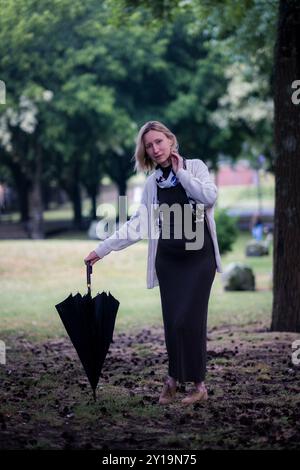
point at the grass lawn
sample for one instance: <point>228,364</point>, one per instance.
<point>35,275</point>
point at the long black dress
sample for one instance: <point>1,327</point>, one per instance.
<point>185,278</point>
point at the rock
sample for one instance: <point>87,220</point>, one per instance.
<point>238,276</point>
<point>256,248</point>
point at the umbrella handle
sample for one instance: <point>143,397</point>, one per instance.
<point>89,270</point>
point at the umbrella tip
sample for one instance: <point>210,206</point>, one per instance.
<point>94,394</point>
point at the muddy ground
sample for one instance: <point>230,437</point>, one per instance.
<point>254,395</point>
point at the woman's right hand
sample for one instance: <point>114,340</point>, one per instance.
<point>92,258</point>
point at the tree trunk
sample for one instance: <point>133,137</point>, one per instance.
<point>46,193</point>
<point>22,188</point>
<point>286,275</point>
<point>23,196</point>
<point>93,206</point>
<point>77,206</point>
<point>122,187</point>
<point>36,224</point>
<point>76,199</point>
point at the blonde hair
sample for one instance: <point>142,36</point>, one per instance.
<point>142,161</point>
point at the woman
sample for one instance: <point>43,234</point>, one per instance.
<point>184,276</point>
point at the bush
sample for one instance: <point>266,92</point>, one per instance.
<point>226,230</point>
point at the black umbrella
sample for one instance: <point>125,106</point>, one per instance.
<point>90,324</point>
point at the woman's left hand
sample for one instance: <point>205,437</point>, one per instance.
<point>177,161</point>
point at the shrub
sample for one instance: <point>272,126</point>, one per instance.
<point>227,230</point>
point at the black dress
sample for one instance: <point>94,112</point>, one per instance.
<point>185,278</point>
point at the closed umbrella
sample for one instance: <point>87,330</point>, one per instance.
<point>90,323</point>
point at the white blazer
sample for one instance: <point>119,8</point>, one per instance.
<point>144,223</point>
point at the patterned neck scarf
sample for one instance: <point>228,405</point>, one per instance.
<point>165,180</point>
<point>165,177</point>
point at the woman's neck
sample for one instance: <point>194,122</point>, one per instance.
<point>164,165</point>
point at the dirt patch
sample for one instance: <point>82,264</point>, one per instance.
<point>254,395</point>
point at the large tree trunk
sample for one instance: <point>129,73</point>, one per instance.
<point>286,277</point>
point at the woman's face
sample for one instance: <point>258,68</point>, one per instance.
<point>158,146</point>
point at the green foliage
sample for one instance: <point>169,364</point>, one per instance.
<point>226,230</point>
<point>93,72</point>
<point>240,35</point>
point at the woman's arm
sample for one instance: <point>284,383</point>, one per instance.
<point>130,232</point>
<point>199,185</point>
